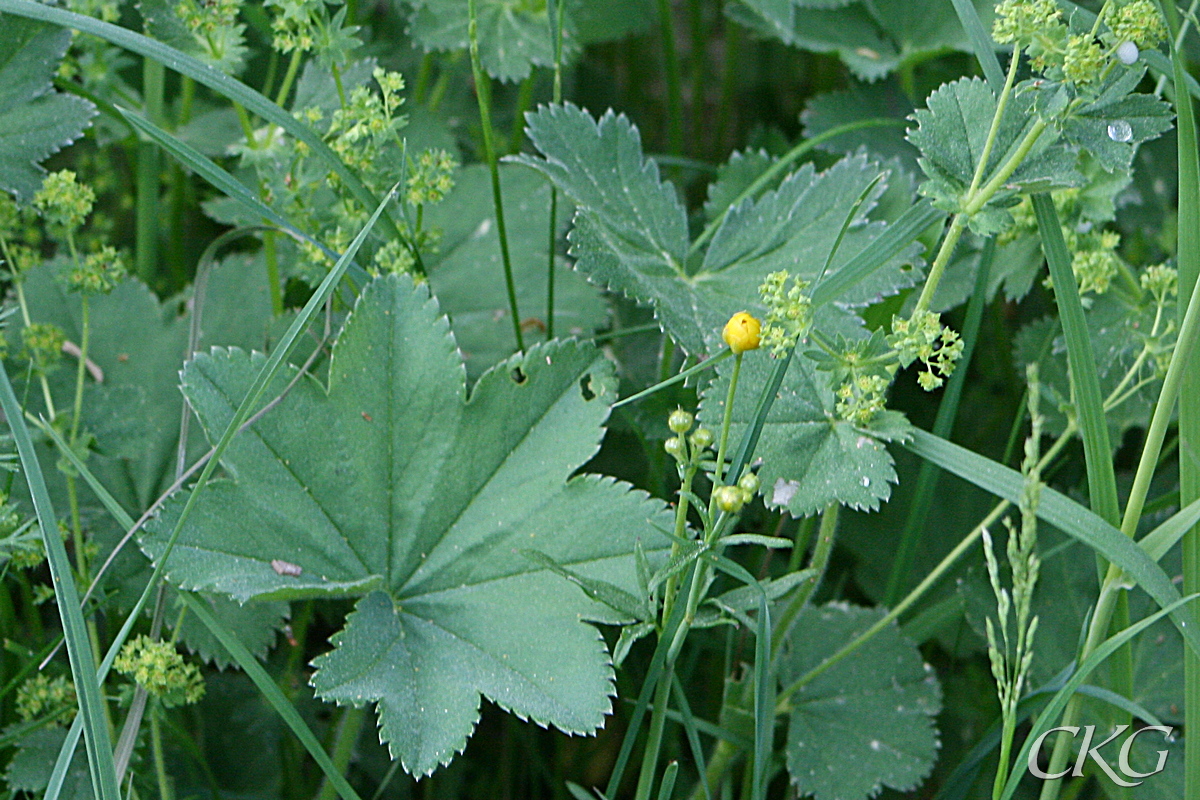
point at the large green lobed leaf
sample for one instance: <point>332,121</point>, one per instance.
<point>395,486</point>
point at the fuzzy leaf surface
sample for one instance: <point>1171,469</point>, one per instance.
<point>394,486</point>
<point>35,120</point>
<point>951,134</point>
<point>630,232</point>
<point>868,721</point>
<point>811,457</point>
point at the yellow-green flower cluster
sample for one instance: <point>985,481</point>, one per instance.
<point>214,25</point>
<point>43,696</point>
<point>294,26</point>
<point>63,200</point>
<point>922,337</point>
<point>1083,60</point>
<point>860,398</point>
<point>394,258</point>
<point>1094,259</point>
<point>431,177</point>
<point>1020,21</point>
<point>99,273</point>
<point>1161,281</point>
<point>43,343</point>
<point>1137,21</point>
<point>160,668</point>
<point>358,131</point>
<point>789,311</point>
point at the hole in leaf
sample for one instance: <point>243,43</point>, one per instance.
<point>585,387</point>
<point>518,376</point>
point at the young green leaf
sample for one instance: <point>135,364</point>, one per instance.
<point>394,485</point>
<point>35,120</point>
<point>866,722</point>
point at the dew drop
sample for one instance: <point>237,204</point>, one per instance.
<point>865,481</point>
<point>1120,131</point>
<point>1127,52</point>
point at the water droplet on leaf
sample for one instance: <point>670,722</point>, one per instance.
<point>1127,52</point>
<point>1120,131</point>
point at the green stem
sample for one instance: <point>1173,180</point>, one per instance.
<point>819,561</point>
<point>348,730</point>
<point>19,285</point>
<point>949,242</point>
<point>271,257</point>
<point>679,376</point>
<point>674,93</point>
<point>658,718</point>
<point>147,211</point>
<point>483,93</point>
<point>1001,104</point>
<point>726,420</point>
<point>160,764</point>
<point>556,30</point>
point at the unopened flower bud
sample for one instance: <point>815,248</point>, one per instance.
<point>749,483</point>
<point>729,499</point>
<point>702,438</point>
<point>680,421</point>
<point>676,447</point>
<point>742,332</point>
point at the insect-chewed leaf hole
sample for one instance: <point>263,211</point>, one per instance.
<point>585,388</point>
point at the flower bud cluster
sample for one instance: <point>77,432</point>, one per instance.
<point>99,273</point>
<point>1079,58</point>
<point>42,696</point>
<point>730,499</point>
<point>789,311</point>
<point>922,338</point>
<point>160,669</point>
<point>685,449</point>
<point>431,177</point>
<point>63,200</point>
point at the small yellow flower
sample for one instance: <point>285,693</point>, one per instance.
<point>742,332</point>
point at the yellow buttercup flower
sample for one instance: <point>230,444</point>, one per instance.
<point>742,332</point>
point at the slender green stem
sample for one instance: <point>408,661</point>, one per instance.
<point>674,91</point>
<point>483,93</point>
<point>160,764</point>
<point>658,719</point>
<point>819,561</point>
<point>682,375</point>
<point>936,270</point>
<point>19,285</point>
<point>556,27</point>
<point>274,286</point>
<point>148,165</point>
<point>348,730</point>
<point>726,420</point>
<point>1001,104</point>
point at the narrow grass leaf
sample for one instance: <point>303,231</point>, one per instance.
<point>1085,380</point>
<point>1160,540</point>
<point>1066,515</point>
<point>271,692</point>
<point>692,733</point>
<point>981,43</point>
<point>1054,709</point>
<point>79,650</point>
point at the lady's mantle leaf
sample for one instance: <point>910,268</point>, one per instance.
<point>810,456</point>
<point>866,722</point>
<point>952,131</point>
<point>397,486</point>
<point>35,120</point>
<point>630,231</point>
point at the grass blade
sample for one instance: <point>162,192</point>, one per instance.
<point>981,43</point>
<point>202,73</point>
<point>1163,538</point>
<point>1064,514</point>
<point>898,235</point>
<point>693,735</point>
<point>79,650</point>
<point>211,172</point>
<point>1085,381</point>
<point>271,691</point>
<point>1187,258</point>
<point>1054,710</point>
